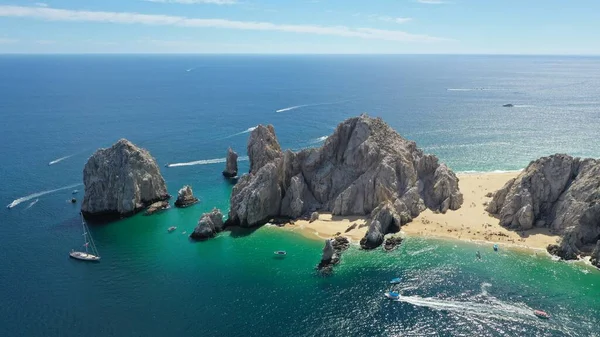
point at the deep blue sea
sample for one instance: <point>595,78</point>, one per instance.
<point>186,110</point>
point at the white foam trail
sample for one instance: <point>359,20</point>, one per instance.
<point>32,203</point>
<point>189,70</point>
<point>319,140</point>
<point>38,194</point>
<point>420,251</point>
<point>523,106</point>
<point>307,105</point>
<point>204,162</point>
<point>494,171</point>
<point>60,159</point>
<point>241,133</point>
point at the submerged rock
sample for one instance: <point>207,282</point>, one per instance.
<point>157,207</point>
<point>559,192</point>
<point>185,197</point>
<point>120,181</point>
<point>231,166</point>
<point>209,225</point>
<point>364,164</point>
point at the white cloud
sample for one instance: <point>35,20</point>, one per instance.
<point>6,41</point>
<point>432,2</point>
<point>194,2</point>
<point>396,20</point>
<point>41,4</point>
<point>66,15</point>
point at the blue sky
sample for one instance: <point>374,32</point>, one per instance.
<point>301,26</point>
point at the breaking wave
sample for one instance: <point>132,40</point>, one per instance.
<point>55,161</point>
<point>307,105</point>
<point>38,194</point>
<point>205,162</point>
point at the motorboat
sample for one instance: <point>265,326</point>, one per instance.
<point>496,247</point>
<point>392,295</point>
<point>171,229</point>
<point>509,105</point>
<point>280,252</point>
<point>541,314</point>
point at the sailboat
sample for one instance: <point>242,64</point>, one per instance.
<point>91,252</point>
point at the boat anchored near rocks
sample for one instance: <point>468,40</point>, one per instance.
<point>91,252</point>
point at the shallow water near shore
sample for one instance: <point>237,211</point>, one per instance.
<point>58,109</point>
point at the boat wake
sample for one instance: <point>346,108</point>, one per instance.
<point>240,133</point>
<point>32,203</point>
<point>309,105</point>
<point>318,140</point>
<point>55,161</point>
<point>421,251</point>
<point>205,162</point>
<point>38,194</point>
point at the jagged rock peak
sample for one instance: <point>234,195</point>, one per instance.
<point>560,192</point>
<point>231,165</point>
<point>120,181</point>
<point>185,197</point>
<point>363,164</point>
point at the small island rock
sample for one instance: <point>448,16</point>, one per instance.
<point>185,197</point>
<point>209,225</point>
<point>120,181</point>
<point>156,207</point>
<point>231,166</point>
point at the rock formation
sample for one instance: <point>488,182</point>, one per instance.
<point>157,207</point>
<point>185,197</point>
<point>392,243</point>
<point>231,167</point>
<point>559,192</point>
<point>332,253</point>
<point>365,164</point>
<point>209,225</point>
<point>120,181</point>
<point>595,260</point>
<point>314,216</point>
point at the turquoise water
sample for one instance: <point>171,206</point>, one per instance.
<point>152,283</point>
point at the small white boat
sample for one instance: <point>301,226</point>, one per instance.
<point>541,314</point>
<point>280,252</point>
<point>171,229</point>
<point>91,252</point>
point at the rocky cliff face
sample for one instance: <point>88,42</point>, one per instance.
<point>120,181</point>
<point>559,192</point>
<point>231,167</point>
<point>363,165</point>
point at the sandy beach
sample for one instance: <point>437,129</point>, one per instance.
<point>470,223</point>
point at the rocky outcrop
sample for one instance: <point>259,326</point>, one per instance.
<point>392,243</point>
<point>559,192</point>
<point>595,260</point>
<point>314,216</point>
<point>332,253</point>
<point>209,225</point>
<point>120,181</point>
<point>185,197</point>
<point>231,166</point>
<point>363,165</point>
<point>157,207</point>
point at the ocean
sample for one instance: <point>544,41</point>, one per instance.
<point>188,109</point>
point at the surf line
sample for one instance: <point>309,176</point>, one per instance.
<point>38,194</point>
<point>204,162</point>
<point>308,105</point>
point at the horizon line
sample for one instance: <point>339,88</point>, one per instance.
<point>292,54</point>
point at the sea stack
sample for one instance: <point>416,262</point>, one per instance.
<point>559,192</point>
<point>120,181</point>
<point>209,225</point>
<point>185,197</point>
<point>364,168</point>
<point>231,167</point>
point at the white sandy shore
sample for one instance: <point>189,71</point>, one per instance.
<point>470,223</point>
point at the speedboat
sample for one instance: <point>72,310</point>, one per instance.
<point>509,105</point>
<point>392,295</point>
<point>541,314</point>
<point>75,192</point>
<point>280,252</point>
<point>172,228</point>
